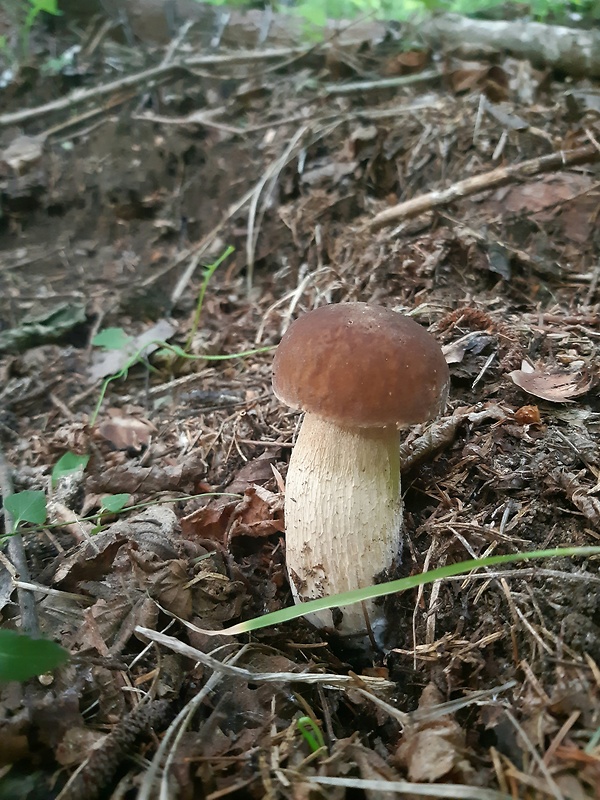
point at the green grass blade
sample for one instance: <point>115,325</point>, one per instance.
<point>391,587</point>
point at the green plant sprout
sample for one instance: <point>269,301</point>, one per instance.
<point>68,464</point>
<point>138,356</point>
<point>209,271</point>
<point>311,733</point>
<point>23,14</point>
<point>117,339</point>
<point>114,503</point>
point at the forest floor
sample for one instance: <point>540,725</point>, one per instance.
<point>112,206</point>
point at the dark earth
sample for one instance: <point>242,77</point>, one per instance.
<point>112,206</point>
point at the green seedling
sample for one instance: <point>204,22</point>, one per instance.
<point>209,271</point>
<point>114,503</point>
<point>110,505</point>
<point>111,339</point>
<point>34,510</point>
<point>117,339</point>
<point>24,14</point>
<point>138,357</point>
<point>311,733</point>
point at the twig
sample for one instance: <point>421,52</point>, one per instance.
<point>437,790</point>
<point>16,553</point>
<point>162,71</point>
<point>269,177</point>
<point>359,87</point>
<point>256,677</point>
<point>489,180</point>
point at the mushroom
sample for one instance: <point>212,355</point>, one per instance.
<point>360,372</point>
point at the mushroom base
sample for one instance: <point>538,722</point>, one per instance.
<point>343,512</point>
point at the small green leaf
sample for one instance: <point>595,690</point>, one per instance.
<point>115,502</point>
<point>49,6</point>
<point>27,506</point>
<point>111,339</point>
<point>22,657</point>
<point>67,464</point>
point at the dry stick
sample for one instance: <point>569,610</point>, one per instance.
<point>186,650</point>
<point>162,71</point>
<point>16,553</point>
<point>359,87</point>
<point>479,183</point>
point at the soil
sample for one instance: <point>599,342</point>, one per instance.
<point>111,211</point>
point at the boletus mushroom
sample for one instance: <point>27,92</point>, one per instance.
<point>360,373</point>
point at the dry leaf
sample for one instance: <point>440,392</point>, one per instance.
<point>556,387</point>
<point>125,432</point>
<point>431,749</point>
<point>22,153</point>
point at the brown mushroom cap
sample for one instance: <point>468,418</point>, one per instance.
<point>361,366</point>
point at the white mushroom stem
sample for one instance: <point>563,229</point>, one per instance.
<point>343,512</point>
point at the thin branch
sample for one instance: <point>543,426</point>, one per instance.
<point>257,677</point>
<point>488,180</point>
<point>161,72</point>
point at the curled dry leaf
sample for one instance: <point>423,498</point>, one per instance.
<point>22,153</point>
<point>431,749</point>
<point>554,386</point>
<point>125,432</point>
<point>473,342</point>
<point>259,513</point>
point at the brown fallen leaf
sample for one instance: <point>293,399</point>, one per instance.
<point>153,530</point>
<point>258,513</point>
<point>551,385</point>
<point>164,581</point>
<point>126,432</point>
<point>210,521</point>
<point>431,749</point>
<point>76,744</point>
<point>406,63</point>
